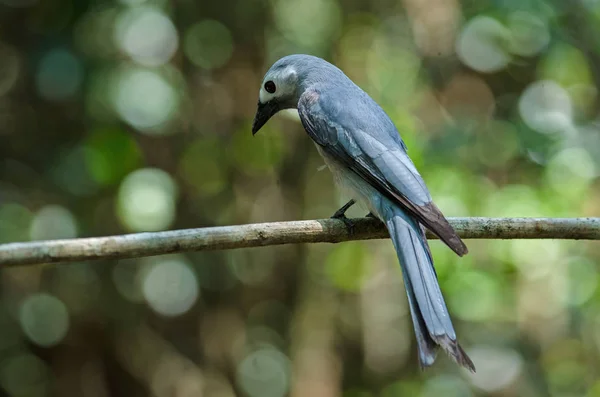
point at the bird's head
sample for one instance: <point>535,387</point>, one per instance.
<point>278,91</point>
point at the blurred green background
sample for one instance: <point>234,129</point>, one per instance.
<point>134,115</point>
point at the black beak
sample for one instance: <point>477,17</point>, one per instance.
<point>263,113</point>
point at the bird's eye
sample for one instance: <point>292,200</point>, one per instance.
<point>270,87</point>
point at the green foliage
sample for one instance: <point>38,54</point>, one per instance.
<point>346,266</point>
<point>110,155</point>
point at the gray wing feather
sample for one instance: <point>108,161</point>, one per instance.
<point>369,148</point>
<point>389,159</point>
<point>395,166</point>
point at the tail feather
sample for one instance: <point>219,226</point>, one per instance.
<point>456,352</point>
<point>431,321</point>
<point>426,346</point>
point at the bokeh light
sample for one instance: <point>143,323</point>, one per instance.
<point>324,17</point>
<point>170,286</point>
<point>391,71</point>
<point>147,35</point>
<point>147,200</point>
<point>249,267</point>
<point>566,65</point>
<point>24,374</point>
<point>145,99</point>
<point>574,165</point>
<point>529,33</point>
<point>446,385</point>
<point>53,222</point>
<point>91,32</point>
<point>497,368</point>
<point>546,107</point>
<point>482,45</point>
<point>60,75</point>
<point>466,285</point>
<point>514,201</point>
<point>264,372</point>
<point>537,259</point>
<point>208,44</point>
<point>44,318</point>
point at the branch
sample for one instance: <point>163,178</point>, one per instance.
<point>276,233</point>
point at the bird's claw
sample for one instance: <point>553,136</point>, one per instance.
<point>347,221</point>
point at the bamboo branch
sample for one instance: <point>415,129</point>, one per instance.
<point>276,233</point>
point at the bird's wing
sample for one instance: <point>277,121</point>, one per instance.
<point>376,157</point>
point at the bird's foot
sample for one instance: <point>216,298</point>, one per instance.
<point>347,221</point>
<point>342,211</point>
<point>341,215</point>
<point>371,215</point>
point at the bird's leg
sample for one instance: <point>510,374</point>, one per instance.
<point>341,215</point>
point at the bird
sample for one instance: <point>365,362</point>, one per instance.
<point>363,149</point>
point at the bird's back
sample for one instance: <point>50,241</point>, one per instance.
<point>351,107</point>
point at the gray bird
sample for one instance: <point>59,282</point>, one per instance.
<point>364,151</point>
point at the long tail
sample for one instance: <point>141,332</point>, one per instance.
<point>431,320</point>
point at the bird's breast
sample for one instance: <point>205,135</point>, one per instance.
<point>350,183</point>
